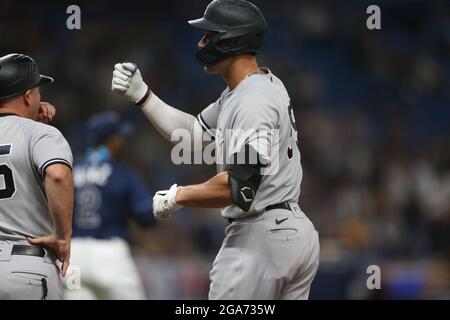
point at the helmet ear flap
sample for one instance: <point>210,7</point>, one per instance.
<point>210,54</point>
<point>226,45</point>
<point>249,43</point>
<point>219,49</point>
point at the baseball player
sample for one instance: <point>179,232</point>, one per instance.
<point>36,187</point>
<point>107,195</point>
<point>271,249</point>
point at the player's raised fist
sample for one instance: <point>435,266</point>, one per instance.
<point>46,112</point>
<point>127,81</point>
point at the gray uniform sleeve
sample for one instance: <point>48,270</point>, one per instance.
<point>255,123</point>
<point>49,147</point>
<point>208,118</point>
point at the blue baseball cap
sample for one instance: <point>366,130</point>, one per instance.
<point>104,125</point>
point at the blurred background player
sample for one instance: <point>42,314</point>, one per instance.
<point>107,195</point>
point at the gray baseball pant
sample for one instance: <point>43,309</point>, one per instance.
<point>267,257</point>
<point>28,277</point>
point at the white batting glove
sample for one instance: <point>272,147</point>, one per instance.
<point>164,203</point>
<point>127,81</point>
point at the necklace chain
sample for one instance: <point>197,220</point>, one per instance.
<point>255,72</point>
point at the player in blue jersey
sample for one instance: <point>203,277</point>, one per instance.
<point>107,196</point>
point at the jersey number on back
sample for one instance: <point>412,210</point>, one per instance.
<point>293,134</point>
<point>7,186</point>
<point>88,201</point>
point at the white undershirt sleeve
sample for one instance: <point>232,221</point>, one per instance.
<point>167,119</point>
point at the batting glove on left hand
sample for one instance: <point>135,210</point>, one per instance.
<point>164,203</point>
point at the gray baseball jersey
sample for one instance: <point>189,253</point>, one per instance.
<point>266,254</point>
<point>27,148</point>
<point>258,112</point>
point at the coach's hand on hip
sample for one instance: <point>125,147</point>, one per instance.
<point>164,203</point>
<point>127,81</point>
<point>61,247</point>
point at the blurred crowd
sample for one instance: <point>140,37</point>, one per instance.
<point>372,110</point>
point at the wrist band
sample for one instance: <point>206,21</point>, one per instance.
<point>144,97</point>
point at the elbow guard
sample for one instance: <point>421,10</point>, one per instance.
<point>244,177</point>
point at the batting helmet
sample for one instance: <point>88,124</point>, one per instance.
<point>238,27</point>
<point>19,73</point>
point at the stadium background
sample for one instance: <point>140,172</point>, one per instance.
<point>372,109</point>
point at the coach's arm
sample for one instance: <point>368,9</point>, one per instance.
<point>58,182</point>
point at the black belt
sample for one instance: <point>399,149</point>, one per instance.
<point>282,205</point>
<point>24,250</point>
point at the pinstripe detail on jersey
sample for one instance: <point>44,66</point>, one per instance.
<point>5,149</point>
<point>205,126</point>
<point>53,161</point>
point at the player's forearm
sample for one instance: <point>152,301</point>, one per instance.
<point>214,193</point>
<point>59,189</point>
<point>127,81</point>
<point>167,119</point>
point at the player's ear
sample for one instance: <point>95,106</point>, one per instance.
<point>27,97</point>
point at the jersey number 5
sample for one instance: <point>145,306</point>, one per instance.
<point>7,186</point>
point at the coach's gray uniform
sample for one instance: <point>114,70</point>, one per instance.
<point>264,255</point>
<point>27,148</point>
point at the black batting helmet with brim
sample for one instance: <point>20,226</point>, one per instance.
<point>237,27</point>
<point>19,73</point>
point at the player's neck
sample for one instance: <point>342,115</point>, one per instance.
<point>12,111</point>
<point>239,69</point>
